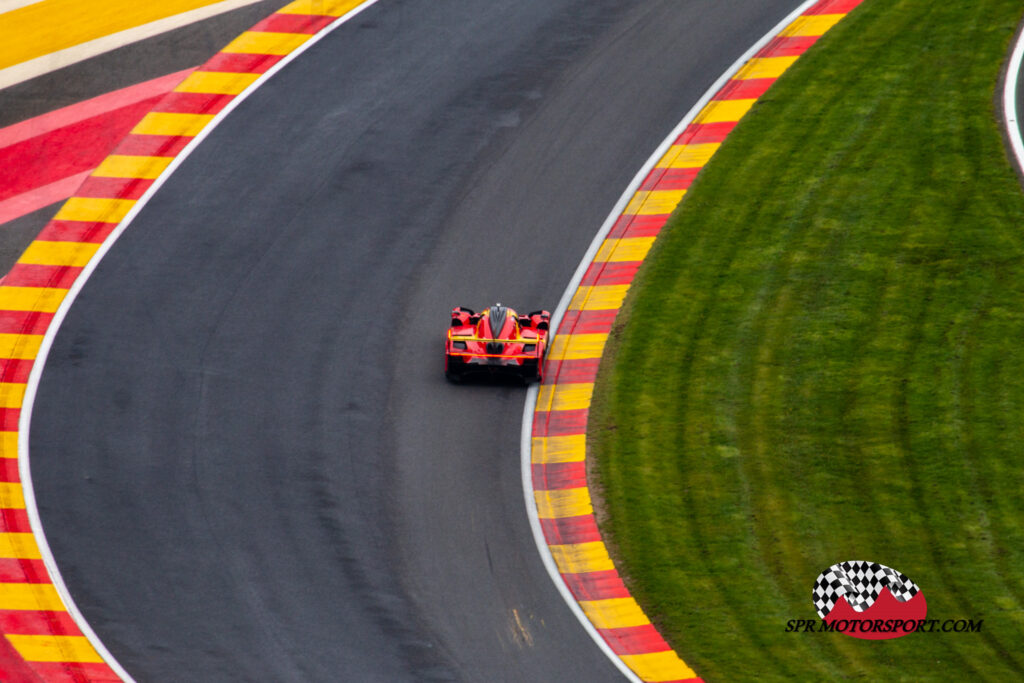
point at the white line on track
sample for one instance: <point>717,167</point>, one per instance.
<point>19,73</point>
<point>25,421</point>
<point>1010,100</point>
<point>563,304</point>
<point>11,5</point>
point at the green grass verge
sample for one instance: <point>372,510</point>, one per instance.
<point>823,360</point>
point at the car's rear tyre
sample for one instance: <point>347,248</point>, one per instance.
<point>453,368</point>
<point>532,371</point>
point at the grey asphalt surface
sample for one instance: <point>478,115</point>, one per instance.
<point>246,457</point>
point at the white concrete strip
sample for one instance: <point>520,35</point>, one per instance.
<point>531,395</point>
<point>19,73</point>
<point>1010,114</point>
<point>25,419</point>
<point>11,5</point>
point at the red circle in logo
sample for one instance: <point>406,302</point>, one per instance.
<point>869,600</point>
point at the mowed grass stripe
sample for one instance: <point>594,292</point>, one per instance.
<point>821,361</point>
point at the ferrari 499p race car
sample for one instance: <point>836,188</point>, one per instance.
<point>496,341</point>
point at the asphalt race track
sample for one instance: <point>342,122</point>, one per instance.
<point>247,460</point>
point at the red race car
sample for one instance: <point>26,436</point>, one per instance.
<point>496,341</point>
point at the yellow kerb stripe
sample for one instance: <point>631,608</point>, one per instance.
<point>557,503</point>
<point>59,254</point>
<point>688,156</point>
<point>658,666</point>
<point>624,249</point>
<point>575,396</point>
<point>578,346</point>
<point>719,111</point>
<point>330,8</point>
<point>266,43</point>
<point>20,546</point>
<point>95,209</point>
<point>614,613</point>
<point>39,299</point>
<point>216,82</point>
<point>11,395</point>
<point>764,67</point>
<point>12,497</point>
<point>48,648</point>
<point>552,449</point>
<point>580,558</point>
<point>654,202</point>
<point>127,166</point>
<point>8,444</point>
<point>171,123</point>
<point>598,298</point>
<point>812,25</point>
<point>30,596</point>
<point>20,346</point>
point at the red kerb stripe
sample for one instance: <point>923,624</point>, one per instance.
<point>24,322</point>
<point>634,640</point>
<point>637,226</point>
<point>37,622</point>
<point>76,231</point>
<point>71,672</point>
<point>609,273</point>
<point>596,585</point>
<point>584,322</point>
<point>293,23</point>
<point>9,470</point>
<point>15,668</point>
<point>15,520</point>
<point>669,179</point>
<point>572,371</point>
<point>559,422</point>
<point>242,63</point>
<point>23,571</point>
<point>582,529</point>
<point>27,275</point>
<point>699,133</point>
<point>9,419</point>
<point>834,7</point>
<point>153,145</point>
<point>788,46</point>
<point>554,476</point>
<point>193,103</point>
<point>14,370</point>
<point>121,188</point>
<point>749,89</point>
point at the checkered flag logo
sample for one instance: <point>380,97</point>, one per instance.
<point>861,583</point>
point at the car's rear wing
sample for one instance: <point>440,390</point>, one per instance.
<point>472,338</point>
